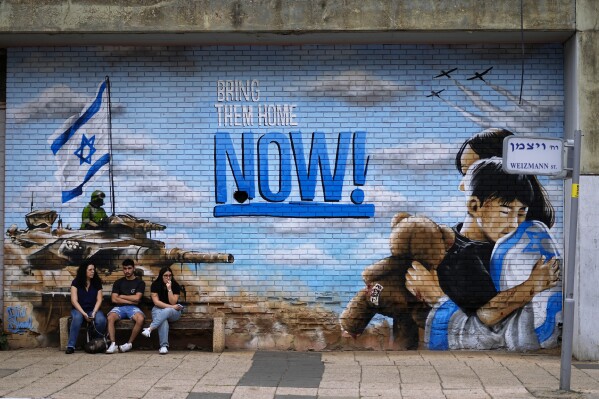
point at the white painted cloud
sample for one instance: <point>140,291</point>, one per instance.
<point>521,117</point>
<point>359,87</point>
<point>417,155</point>
<point>56,102</point>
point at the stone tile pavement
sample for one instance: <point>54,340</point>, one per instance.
<point>49,373</point>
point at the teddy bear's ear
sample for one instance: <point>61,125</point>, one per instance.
<point>398,218</point>
<point>401,230</point>
<point>419,238</point>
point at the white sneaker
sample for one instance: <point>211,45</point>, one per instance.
<point>163,350</point>
<point>146,332</point>
<point>125,347</point>
<point>112,348</point>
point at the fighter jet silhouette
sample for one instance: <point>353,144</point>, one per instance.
<point>445,73</point>
<point>435,93</point>
<point>480,75</point>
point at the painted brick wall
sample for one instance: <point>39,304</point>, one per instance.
<point>295,273</point>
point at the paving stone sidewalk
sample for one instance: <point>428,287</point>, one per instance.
<point>49,373</point>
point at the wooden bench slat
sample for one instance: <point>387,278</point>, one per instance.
<point>182,324</point>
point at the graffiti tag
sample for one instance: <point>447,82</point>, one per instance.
<point>18,320</point>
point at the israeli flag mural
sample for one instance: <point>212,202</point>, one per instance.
<point>81,146</point>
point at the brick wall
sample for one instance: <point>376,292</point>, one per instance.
<point>179,117</point>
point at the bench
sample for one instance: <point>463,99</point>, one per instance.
<point>186,324</point>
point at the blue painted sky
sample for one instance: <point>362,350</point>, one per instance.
<point>164,123</point>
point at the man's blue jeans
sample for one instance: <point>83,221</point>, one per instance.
<point>160,320</point>
<point>77,320</point>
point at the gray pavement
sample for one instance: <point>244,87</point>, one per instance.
<point>49,373</point>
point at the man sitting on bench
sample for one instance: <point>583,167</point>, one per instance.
<point>126,295</point>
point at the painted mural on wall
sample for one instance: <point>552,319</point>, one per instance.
<point>327,172</point>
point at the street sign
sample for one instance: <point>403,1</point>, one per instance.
<point>533,155</point>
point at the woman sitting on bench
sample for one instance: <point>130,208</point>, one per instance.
<point>86,298</point>
<point>165,293</point>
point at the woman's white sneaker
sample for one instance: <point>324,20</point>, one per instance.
<point>146,332</point>
<point>163,350</point>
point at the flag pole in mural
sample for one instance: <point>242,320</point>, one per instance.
<point>82,145</point>
<point>112,201</point>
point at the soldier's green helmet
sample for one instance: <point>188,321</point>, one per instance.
<point>98,195</point>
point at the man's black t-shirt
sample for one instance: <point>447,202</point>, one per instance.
<point>464,273</point>
<point>128,287</point>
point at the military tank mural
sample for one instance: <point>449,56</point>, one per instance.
<point>41,247</point>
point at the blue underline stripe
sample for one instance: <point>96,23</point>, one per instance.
<point>296,210</point>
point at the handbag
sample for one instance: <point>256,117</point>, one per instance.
<point>95,345</point>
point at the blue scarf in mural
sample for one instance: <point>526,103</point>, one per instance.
<point>535,325</point>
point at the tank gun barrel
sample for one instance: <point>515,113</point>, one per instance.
<point>133,223</point>
<point>182,256</point>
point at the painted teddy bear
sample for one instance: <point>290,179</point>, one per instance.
<point>413,238</point>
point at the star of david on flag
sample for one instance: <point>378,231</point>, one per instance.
<point>81,145</point>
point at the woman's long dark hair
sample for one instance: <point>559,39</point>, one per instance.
<point>81,277</point>
<point>486,144</point>
<point>489,143</point>
<point>161,274</point>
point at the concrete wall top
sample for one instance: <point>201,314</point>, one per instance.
<point>59,22</point>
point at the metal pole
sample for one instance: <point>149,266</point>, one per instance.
<point>569,302</point>
<point>113,205</point>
